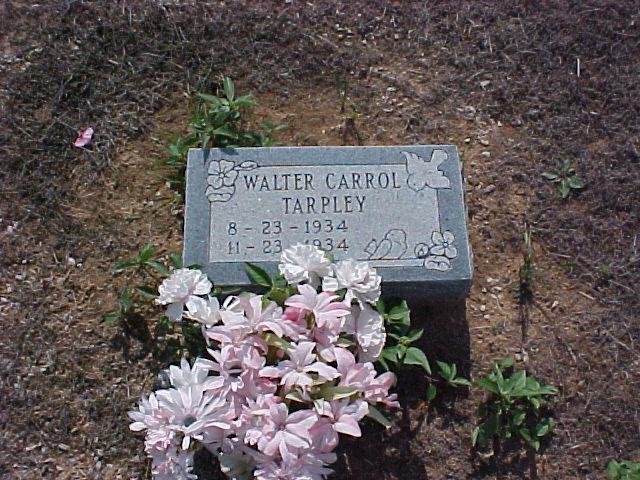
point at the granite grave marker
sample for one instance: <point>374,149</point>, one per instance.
<point>401,208</point>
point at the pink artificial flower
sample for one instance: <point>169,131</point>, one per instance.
<point>253,417</point>
<point>261,318</point>
<point>255,386</point>
<point>344,414</point>
<point>229,368</point>
<point>294,322</point>
<point>237,335</point>
<point>286,433</point>
<point>296,370</point>
<point>307,466</point>
<point>172,465</point>
<point>84,138</point>
<point>326,312</point>
<point>377,391</point>
<point>352,374</point>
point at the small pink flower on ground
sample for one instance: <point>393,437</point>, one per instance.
<point>84,138</point>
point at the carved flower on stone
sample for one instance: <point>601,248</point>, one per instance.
<point>222,173</point>
<point>222,194</point>
<point>439,252</point>
<point>442,244</point>
<point>222,176</point>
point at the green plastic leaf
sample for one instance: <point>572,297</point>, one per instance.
<point>431,392</point>
<point>413,335</point>
<point>505,363</point>
<point>209,98</point>
<point>415,356</point>
<point>275,341</point>
<point>390,353</point>
<point>400,313</point>
<point>375,414</point>
<point>518,417</point>
<point>461,382</point>
<point>544,427</point>
<point>225,131</point>
<point>336,393</point>
<point>125,299</point>
<point>295,396</point>
<point>258,275</point>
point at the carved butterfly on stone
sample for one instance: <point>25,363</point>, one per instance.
<point>423,173</point>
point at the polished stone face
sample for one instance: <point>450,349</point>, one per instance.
<point>401,208</point>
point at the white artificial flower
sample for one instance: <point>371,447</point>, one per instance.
<point>367,325</point>
<point>180,287</point>
<point>149,415</point>
<point>203,310</point>
<point>186,375</point>
<point>304,263</point>
<point>195,411</point>
<point>361,281</point>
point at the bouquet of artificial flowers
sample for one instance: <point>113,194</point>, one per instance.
<point>288,372</point>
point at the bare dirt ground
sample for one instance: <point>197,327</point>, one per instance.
<point>500,81</point>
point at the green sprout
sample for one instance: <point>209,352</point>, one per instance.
<point>565,176</point>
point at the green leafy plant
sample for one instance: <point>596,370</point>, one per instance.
<point>624,470</point>
<point>135,306</point>
<point>565,177</point>
<point>449,372</point>
<point>398,352</point>
<point>218,120</point>
<point>513,409</point>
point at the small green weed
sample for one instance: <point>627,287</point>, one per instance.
<point>398,352</point>
<point>526,272</point>
<point>513,407</point>
<point>624,470</point>
<point>217,121</point>
<point>566,178</point>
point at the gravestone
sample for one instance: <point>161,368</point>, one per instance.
<point>400,208</point>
